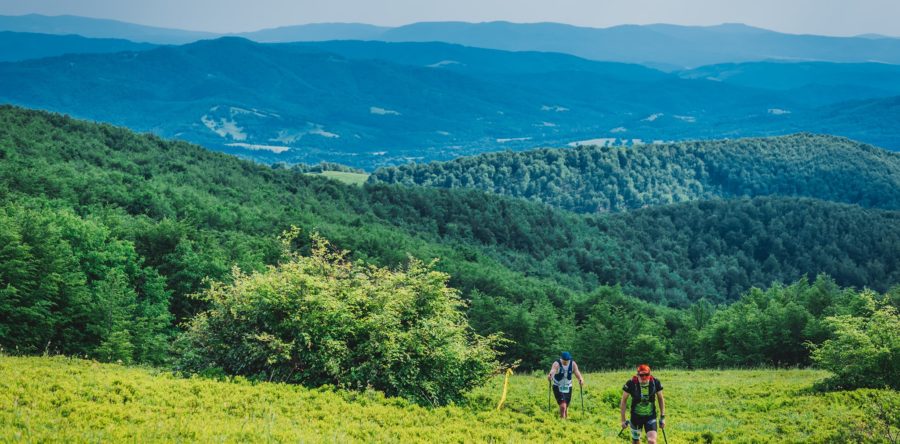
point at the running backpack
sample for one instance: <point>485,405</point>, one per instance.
<point>637,386</point>
<point>564,372</point>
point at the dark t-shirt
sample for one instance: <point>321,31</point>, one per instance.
<point>643,398</point>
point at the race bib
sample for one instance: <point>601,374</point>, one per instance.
<point>564,388</point>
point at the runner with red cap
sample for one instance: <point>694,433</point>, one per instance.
<point>644,390</point>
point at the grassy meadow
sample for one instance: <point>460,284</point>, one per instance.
<point>345,177</point>
<point>56,399</point>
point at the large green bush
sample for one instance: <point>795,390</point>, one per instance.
<point>865,351</point>
<point>321,319</point>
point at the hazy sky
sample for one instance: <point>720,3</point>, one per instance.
<point>827,17</point>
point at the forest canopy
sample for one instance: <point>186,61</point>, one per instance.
<point>107,234</point>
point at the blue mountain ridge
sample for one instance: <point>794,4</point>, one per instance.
<point>370,104</point>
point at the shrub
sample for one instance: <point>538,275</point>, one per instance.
<point>865,351</point>
<point>320,319</point>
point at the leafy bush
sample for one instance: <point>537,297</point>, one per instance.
<point>865,351</point>
<point>320,319</point>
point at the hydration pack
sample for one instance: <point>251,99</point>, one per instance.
<point>564,372</point>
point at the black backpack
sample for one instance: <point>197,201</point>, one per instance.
<point>636,394</point>
<point>560,374</point>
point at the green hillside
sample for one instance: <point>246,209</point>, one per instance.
<point>71,400</point>
<point>716,249</point>
<point>599,179</point>
<point>107,234</point>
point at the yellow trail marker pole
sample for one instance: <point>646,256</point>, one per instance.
<point>505,388</point>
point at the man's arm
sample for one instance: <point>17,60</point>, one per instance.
<point>577,373</point>
<point>553,369</point>
<point>622,408</point>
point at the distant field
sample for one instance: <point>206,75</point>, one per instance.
<point>348,178</point>
<point>70,400</point>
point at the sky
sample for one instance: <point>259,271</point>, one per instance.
<point>824,17</point>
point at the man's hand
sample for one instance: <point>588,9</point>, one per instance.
<point>625,423</point>
<point>662,421</point>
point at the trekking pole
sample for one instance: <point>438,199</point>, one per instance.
<point>665,439</point>
<point>623,429</point>
<point>581,395</point>
<point>549,389</point>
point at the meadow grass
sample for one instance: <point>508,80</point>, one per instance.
<point>57,399</point>
<point>345,177</point>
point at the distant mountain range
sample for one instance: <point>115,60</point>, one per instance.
<point>812,82</point>
<point>370,104</point>
<point>98,28</point>
<point>16,46</point>
<point>661,46</point>
<point>667,47</point>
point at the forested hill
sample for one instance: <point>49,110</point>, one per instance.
<point>592,179</point>
<point>719,248</point>
<point>192,213</point>
<point>106,233</point>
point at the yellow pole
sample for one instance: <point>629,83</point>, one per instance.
<point>505,387</point>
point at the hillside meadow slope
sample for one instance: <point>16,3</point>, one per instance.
<point>55,399</point>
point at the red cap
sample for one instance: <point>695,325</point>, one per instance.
<point>643,368</point>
